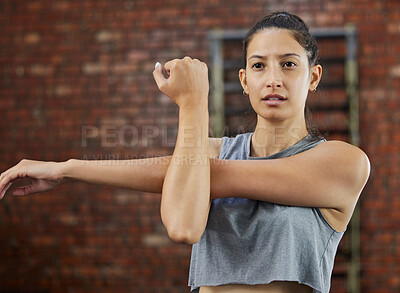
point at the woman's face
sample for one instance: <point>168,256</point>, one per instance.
<point>277,76</point>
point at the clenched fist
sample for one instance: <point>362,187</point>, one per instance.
<point>186,82</point>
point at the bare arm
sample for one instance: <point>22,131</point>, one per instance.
<point>185,198</point>
<point>146,174</point>
<point>319,177</point>
<point>143,174</point>
<point>331,175</point>
<point>328,176</point>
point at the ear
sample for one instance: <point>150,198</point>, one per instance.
<point>243,80</point>
<point>315,77</point>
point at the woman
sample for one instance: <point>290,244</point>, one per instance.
<point>264,210</point>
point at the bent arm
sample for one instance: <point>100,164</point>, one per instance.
<point>185,200</point>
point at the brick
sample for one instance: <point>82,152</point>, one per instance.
<point>107,36</point>
<point>124,68</point>
<point>62,90</point>
<point>65,64</point>
<point>41,70</point>
<point>62,6</point>
<point>32,38</point>
<point>156,240</point>
<point>94,68</point>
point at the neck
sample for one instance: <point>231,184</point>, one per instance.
<point>271,137</point>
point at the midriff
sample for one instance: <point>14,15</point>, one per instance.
<point>273,287</point>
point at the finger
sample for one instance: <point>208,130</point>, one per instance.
<point>165,69</point>
<point>22,190</point>
<point>5,181</point>
<point>159,76</point>
<point>10,177</point>
<point>5,189</point>
<point>3,192</point>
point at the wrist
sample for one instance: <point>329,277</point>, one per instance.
<point>199,105</point>
<point>66,169</point>
<point>193,129</point>
<point>197,112</point>
<point>194,118</point>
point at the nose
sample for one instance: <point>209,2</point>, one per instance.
<point>273,78</point>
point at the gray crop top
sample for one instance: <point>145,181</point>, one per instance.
<point>255,242</point>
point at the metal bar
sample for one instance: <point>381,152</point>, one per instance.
<point>217,100</point>
<point>351,77</point>
<point>231,35</point>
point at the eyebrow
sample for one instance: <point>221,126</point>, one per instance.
<point>280,56</point>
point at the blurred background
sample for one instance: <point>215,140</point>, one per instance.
<point>76,82</point>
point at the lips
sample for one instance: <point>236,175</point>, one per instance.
<point>274,99</point>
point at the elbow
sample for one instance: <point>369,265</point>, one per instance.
<point>182,234</point>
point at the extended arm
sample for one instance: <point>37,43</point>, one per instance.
<point>318,177</point>
<point>145,174</point>
<point>331,175</point>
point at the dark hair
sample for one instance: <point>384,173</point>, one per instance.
<point>301,32</point>
<point>291,22</point>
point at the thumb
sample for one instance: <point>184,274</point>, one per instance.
<point>23,190</point>
<point>35,186</point>
<point>159,76</point>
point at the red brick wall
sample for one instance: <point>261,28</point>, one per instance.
<point>68,67</point>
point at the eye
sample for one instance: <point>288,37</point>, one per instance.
<point>288,64</point>
<point>257,65</point>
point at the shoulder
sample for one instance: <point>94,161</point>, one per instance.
<point>215,145</point>
<point>346,160</point>
<point>349,167</point>
<point>336,149</point>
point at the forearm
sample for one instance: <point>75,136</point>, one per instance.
<point>145,175</point>
<point>186,191</point>
<point>142,174</point>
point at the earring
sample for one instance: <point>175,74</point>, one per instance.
<point>314,90</point>
<point>244,93</point>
